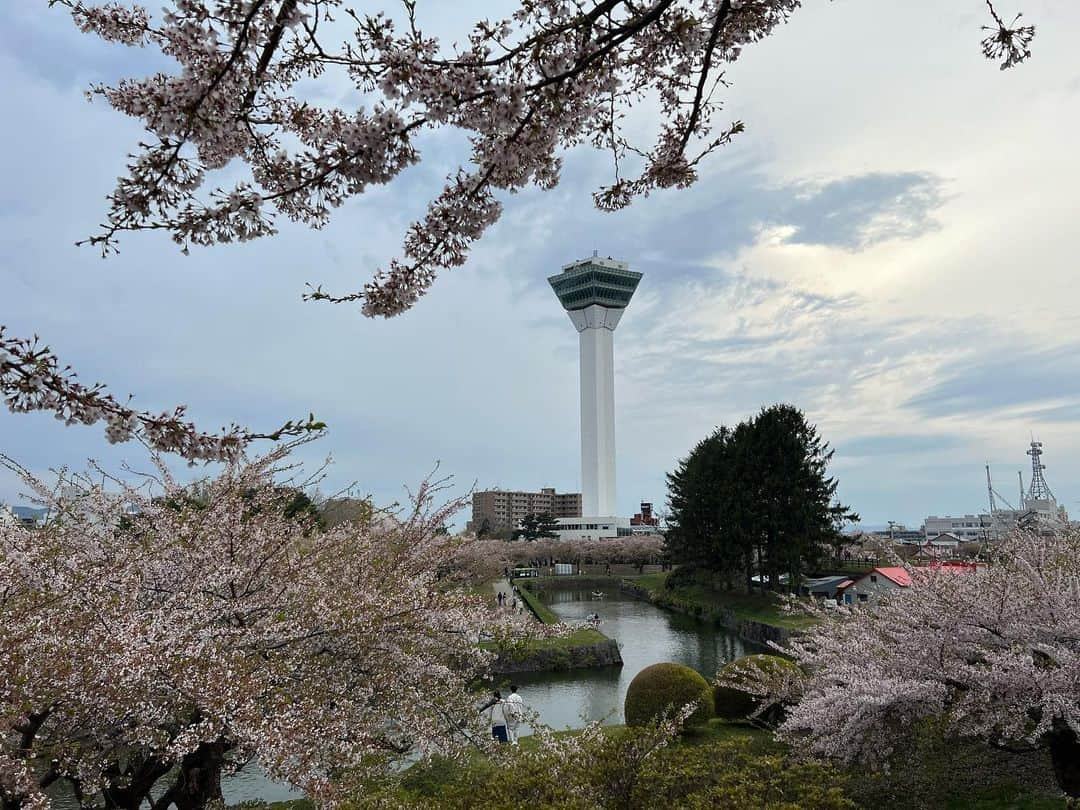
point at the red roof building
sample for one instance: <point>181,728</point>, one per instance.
<point>874,583</point>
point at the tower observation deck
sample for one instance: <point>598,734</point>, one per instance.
<point>594,292</point>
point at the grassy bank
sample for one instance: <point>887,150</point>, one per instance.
<point>582,637</point>
<point>701,599</point>
<point>582,648</point>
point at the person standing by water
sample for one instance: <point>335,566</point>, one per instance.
<point>512,711</point>
<point>496,716</point>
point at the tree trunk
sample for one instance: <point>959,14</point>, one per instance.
<point>199,780</point>
<point>139,780</point>
<point>1065,756</point>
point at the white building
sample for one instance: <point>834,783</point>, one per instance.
<point>30,516</point>
<point>966,528</point>
<point>595,292</point>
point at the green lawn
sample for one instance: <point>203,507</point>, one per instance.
<point>1004,798</point>
<point>713,731</point>
<point>581,637</point>
<point>651,581</point>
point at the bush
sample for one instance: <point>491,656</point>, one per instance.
<point>682,576</point>
<point>663,687</point>
<point>733,703</point>
<point>623,769</point>
<point>730,774</point>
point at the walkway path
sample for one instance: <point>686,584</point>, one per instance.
<point>508,589</point>
<point>502,585</point>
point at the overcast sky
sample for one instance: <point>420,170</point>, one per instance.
<point>891,246</point>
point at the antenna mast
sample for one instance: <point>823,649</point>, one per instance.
<point>1040,490</point>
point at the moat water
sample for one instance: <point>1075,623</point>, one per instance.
<point>646,635</point>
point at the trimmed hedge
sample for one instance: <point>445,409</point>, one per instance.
<point>663,687</point>
<point>732,703</point>
<point>541,611</point>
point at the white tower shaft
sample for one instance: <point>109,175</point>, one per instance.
<point>597,422</point>
<point>596,334</point>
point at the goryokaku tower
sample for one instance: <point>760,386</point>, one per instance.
<point>594,292</point>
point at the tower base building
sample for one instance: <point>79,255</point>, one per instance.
<point>593,528</point>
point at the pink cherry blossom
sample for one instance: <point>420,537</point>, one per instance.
<point>550,76</point>
<point>995,650</point>
<point>144,628</point>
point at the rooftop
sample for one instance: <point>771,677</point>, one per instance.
<point>893,572</point>
<point>596,280</point>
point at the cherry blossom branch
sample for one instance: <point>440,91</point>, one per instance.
<point>1007,43</point>
<point>32,379</point>
<point>551,76</point>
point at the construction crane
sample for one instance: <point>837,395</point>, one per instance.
<point>993,493</point>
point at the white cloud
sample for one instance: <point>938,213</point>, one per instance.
<point>740,305</point>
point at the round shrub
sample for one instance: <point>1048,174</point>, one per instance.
<point>666,687</point>
<point>733,703</point>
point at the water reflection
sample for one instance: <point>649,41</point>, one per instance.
<point>646,635</point>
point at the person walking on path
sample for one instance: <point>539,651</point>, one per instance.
<point>512,710</point>
<point>496,716</point>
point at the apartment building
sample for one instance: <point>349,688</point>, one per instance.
<point>504,509</point>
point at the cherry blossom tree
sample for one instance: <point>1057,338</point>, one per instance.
<point>549,76</point>
<point>994,651</point>
<point>493,555</point>
<point>160,627</point>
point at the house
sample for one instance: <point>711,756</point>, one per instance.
<point>824,587</point>
<point>942,546</point>
<point>29,516</point>
<point>944,540</point>
<point>875,583</point>
<point>928,554</point>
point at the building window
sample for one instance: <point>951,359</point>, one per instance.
<point>863,597</point>
<point>873,577</point>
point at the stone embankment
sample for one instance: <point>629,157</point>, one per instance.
<point>556,658</point>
